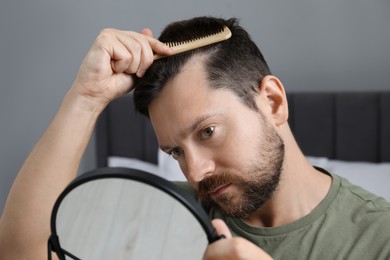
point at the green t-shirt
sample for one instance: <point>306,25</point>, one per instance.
<point>349,223</point>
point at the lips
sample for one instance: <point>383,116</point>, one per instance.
<point>219,190</point>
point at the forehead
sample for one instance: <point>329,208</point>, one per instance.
<point>189,89</point>
<point>188,85</point>
<point>185,98</point>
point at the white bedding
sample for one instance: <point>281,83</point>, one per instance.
<point>374,177</point>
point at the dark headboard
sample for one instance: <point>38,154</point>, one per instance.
<point>349,126</point>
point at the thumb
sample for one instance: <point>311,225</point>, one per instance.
<point>221,228</point>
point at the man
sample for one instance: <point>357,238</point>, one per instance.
<point>222,115</point>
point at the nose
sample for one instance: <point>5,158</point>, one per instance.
<point>198,164</point>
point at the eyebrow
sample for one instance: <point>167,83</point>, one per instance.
<point>198,121</point>
<point>190,129</point>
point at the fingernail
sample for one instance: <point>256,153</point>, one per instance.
<point>140,73</point>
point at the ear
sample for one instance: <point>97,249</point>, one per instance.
<point>271,91</point>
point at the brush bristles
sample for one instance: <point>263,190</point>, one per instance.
<point>183,46</point>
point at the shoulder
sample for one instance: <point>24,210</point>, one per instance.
<point>357,196</point>
<point>366,218</point>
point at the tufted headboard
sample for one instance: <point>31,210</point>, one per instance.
<point>349,126</point>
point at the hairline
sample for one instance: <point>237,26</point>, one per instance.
<point>203,57</point>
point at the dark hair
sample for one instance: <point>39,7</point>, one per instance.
<point>235,64</point>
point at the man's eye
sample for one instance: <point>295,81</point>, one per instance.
<point>176,152</point>
<point>207,132</point>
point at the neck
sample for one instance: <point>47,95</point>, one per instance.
<point>300,190</point>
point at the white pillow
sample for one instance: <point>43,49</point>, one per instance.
<point>374,177</point>
<point>168,167</point>
<point>116,161</point>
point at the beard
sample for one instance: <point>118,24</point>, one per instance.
<point>256,184</point>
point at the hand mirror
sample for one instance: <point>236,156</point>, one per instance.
<point>121,213</point>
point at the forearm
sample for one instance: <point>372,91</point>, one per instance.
<point>48,169</point>
<point>104,74</point>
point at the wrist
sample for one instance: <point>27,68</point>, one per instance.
<point>85,103</point>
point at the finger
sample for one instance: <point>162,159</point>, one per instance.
<point>159,47</point>
<point>134,46</point>
<point>146,52</point>
<point>145,62</point>
<point>142,52</point>
<point>221,228</point>
<point>147,32</point>
<point>141,48</point>
<point>147,55</point>
<point>156,45</point>
<point>122,53</point>
<point>116,52</point>
<point>121,57</point>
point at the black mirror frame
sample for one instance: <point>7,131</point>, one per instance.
<point>137,175</point>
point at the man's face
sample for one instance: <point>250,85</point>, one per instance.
<point>227,151</point>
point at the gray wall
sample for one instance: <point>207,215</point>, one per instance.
<point>311,45</point>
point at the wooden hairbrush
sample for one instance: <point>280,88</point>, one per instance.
<point>179,47</point>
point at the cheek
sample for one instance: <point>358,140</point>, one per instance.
<point>183,168</point>
<point>235,151</point>
<point>241,145</point>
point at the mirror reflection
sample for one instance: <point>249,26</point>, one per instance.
<point>115,218</point>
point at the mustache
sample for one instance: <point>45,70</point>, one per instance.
<point>216,180</point>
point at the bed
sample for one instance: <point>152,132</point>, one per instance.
<point>348,130</point>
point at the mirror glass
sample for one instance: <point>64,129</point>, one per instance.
<point>117,218</point>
